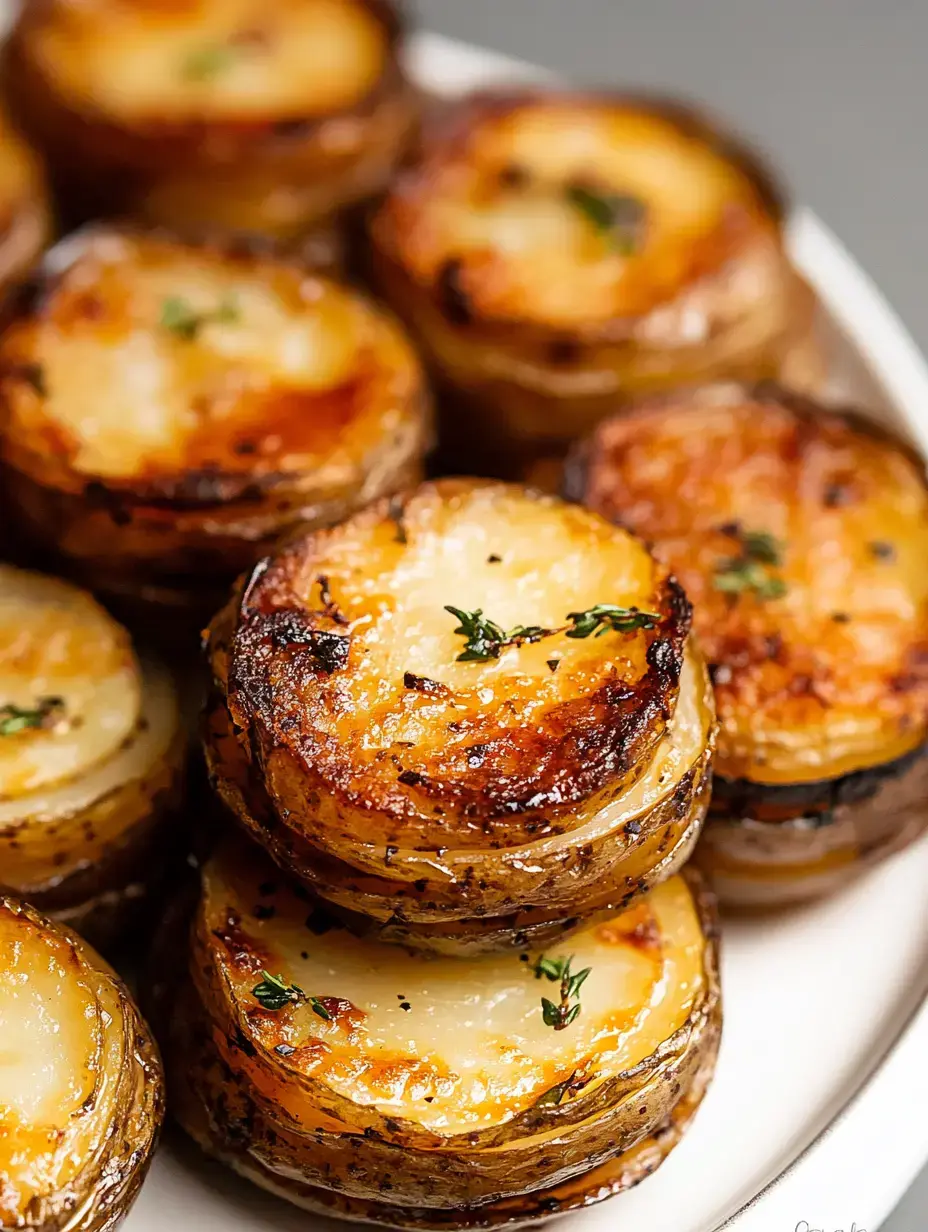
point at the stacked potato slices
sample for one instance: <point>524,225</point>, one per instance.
<point>800,533</point>
<point>170,409</point>
<point>245,116</point>
<point>470,720</point>
<point>81,1086</point>
<point>556,254</point>
<point>92,753</point>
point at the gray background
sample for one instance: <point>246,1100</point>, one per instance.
<point>836,90</point>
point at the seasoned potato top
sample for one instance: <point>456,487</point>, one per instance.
<point>449,1044</point>
<point>21,179</point>
<point>183,369</point>
<point>571,210</point>
<point>553,677</point>
<point>62,1050</point>
<point>801,537</point>
<point>69,683</point>
<point>242,61</point>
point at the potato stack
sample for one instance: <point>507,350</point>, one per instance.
<point>464,983</point>
<point>267,117</point>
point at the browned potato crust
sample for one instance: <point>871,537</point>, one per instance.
<point>800,534</point>
<point>265,116</point>
<point>342,668</point>
<point>557,254</point>
<point>343,1103</point>
<point>81,1085</point>
<point>92,758</point>
<point>169,410</point>
<point>25,214</point>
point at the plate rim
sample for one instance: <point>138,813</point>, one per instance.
<point>817,1175</point>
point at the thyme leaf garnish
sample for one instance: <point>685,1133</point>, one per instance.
<point>273,993</point>
<point>45,714</point>
<point>752,569</point>
<point>485,639</point>
<point>561,1014</point>
<point>180,317</point>
<point>616,216</point>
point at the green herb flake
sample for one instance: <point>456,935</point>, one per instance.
<point>44,715</point>
<point>319,1008</point>
<point>180,317</point>
<point>208,62</point>
<point>485,639</point>
<point>273,993</point>
<point>606,618</point>
<point>618,217</point>
<point>752,569</point>
<point>562,1013</point>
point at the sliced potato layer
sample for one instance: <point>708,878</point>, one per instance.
<point>171,407</point>
<point>370,715</point>
<point>800,535</point>
<point>433,1085</point>
<point>25,217</point>
<point>392,1044</point>
<point>81,1092</point>
<point>557,251</point>
<point>91,754</point>
<point>241,115</point>
<point>475,899</point>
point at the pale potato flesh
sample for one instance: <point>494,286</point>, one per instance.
<point>276,371</point>
<point>496,199</point>
<point>57,642</point>
<point>451,1045</point>
<point>61,1051</point>
<point>829,677</point>
<point>211,60</point>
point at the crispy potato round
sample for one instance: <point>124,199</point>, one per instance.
<point>377,1094</point>
<point>260,117</point>
<point>558,253</point>
<point>168,410</point>
<point>800,535</point>
<point>25,213</point>
<point>369,719</point>
<point>91,759</point>
<point>474,900</point>
<point>81,1088</point>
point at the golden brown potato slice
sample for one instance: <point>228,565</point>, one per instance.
<point>242,115</point>
<point>378,715</point>
<point>800,535</point>
<point>350,1069</point>
<point>170,409</point>
<point>556,254</point>
<point>466,899</point>
<point>91,759</point>
<point>25,215</point>
<point>81,1088</point>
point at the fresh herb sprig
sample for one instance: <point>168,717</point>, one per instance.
<point>753,568</point>
<point>564,1011</point>
<point>485,639</point>
<point>274,993</point>
<point>207,62</point>
<point>180,317</point>
<point>45,714</point>
<point>618,217</point>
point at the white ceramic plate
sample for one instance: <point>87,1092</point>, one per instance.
<point>816,1115</point>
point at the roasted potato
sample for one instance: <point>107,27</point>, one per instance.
<point>559,254</point>
<point>800,534</point>
<point>81,1087</point>
<point>418,776</point>
<point>247,116</point>
<point>25,214</point>
<point>168,410</point>
<point>91,760</point>
<point>319,1061</point>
